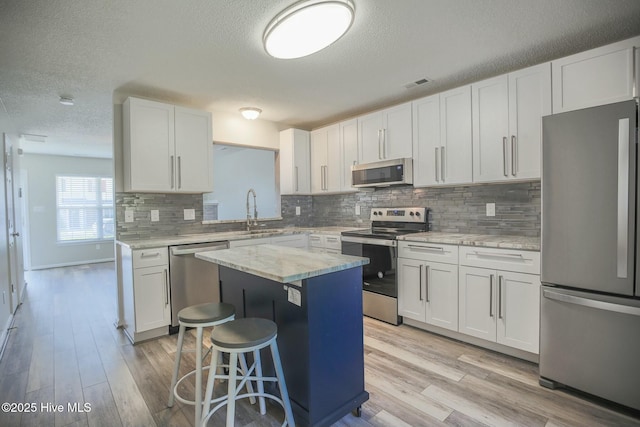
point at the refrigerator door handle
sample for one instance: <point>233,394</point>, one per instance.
<point>623,196</point>
<point>586,302</point>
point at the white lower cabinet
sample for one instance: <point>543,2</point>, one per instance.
<point>294,241</point>
<point>500,305</point>
<point>486,293</point>
<point>145,292</point>
<point>428,290</point>
<point>325,243</point>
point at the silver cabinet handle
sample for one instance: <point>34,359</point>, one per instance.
<point>435,248</point>
<point>426,281</point>
<point>149,254</point>
<point>623,196</point>
<point>442,163</point>
<point>504,156</point>
<point>491,277</point>
<point>166,287</point>
<point>384,143</point>
<point>514,155</point>
<point>379,144</point>
<point>436,162</point>
<point>179,171</point>
<point>591,303</point>
<point>171,164</point>
<point>296,178</point>
<point>497,254</point>
<point>500,296</point>
<point>420,282</point>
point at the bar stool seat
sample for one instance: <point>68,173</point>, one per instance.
<point>199,316</point>
<point>236,338</point>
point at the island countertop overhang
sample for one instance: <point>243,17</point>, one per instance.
<point>281,264</point>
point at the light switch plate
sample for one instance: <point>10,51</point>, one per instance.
<point>128,215</point>
<point>297,210</point>
<point>155,215</point>
<point>357,209</point>
<point>491,209</point>
<point>294,296</point>
<point>189,214</point>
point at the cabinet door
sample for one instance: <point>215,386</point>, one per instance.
<point>333,164</point>
<point>249,242</point>
<point>370,138</point>
<point>149,156</point>
<point>294,160</point>
<point>349,149</point>
<point>397,133</point>
<point>318,160</point>
<point>455,136</point>
<point>426,141</point>
<point>151,295</point>
<point>529,101</point>
<point>490,106</point>
<point>300,241</point>
<point>194,161</point>
<point>595,77</point>
<point>441,294</point>
<point>411,300</point>
<point>477,302</point>
<point>518,310</point>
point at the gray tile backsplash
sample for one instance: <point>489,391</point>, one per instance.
<point>453,209</point>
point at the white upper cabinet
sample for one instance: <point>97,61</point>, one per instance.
<point>294,158</point>
<point>455,154</point>
<point>194,172</point>
<point>385,134</point>
<point>349,146</point>
<point>507,113</point>
<point>595,77</point>
<point>166,148</point>
<point>426,141</point>
<point>326,160</point>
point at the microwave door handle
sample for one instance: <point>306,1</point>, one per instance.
<point>623,197</point>
<point>442,163</point>
<point>379,145</point>
<point>436,162</point>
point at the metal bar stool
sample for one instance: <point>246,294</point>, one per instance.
<point>238,337</point>
<point>199,316</point>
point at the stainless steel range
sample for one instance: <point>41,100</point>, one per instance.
<point>379,244</point>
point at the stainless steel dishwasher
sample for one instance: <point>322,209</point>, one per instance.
<point>193,281</point>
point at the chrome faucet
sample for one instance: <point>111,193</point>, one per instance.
<point>255,210</point>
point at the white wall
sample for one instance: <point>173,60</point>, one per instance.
<point>41,171</point>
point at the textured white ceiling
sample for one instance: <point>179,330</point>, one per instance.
<point>208,54</point>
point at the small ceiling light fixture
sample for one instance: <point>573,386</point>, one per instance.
<point>307,27</point>
<point>33,138</point>
<point>250,113</point>
<point>66,100</point>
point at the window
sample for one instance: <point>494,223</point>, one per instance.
<point>84,206</point>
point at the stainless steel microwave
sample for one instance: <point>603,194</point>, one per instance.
<point>383,173</point>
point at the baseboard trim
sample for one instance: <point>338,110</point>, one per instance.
<point>71,264</point>
<point>4,335</point>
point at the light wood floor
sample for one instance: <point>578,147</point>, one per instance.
<point>63,349</point>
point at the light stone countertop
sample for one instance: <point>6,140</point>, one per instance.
<point>227,235</point>
<point>482,240</point>
<point>282,264</point>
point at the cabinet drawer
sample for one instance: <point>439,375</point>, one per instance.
<point>428,252</point>
<point>333,242</point>
<point>316,241</point>
<point>501,259</point>
<point>150,257</point>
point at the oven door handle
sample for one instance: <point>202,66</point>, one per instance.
<point>369,241</point>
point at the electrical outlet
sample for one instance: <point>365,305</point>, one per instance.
<point>128,215</point>
<point>357,209</point>
<point>491,209</point>
<point>189,214</point>
<point>297,210</point>
<point>155,215</point>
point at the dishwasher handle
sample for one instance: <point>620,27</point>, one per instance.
<point>186,250</point>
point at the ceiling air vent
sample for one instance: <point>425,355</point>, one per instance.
<point>416,83</point>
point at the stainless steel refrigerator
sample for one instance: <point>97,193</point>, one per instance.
<point>590,302</point>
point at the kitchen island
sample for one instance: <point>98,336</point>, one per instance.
<point>316,301</point>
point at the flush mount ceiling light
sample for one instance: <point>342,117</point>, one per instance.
<point>250,113</point>
<point>33,138</point>
<point>66,100</point>
<point>307,27</point>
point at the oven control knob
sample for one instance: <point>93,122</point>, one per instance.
<point>417,213</point>
<point>411,213</point>
<point>380,213</point>
<point>375,213</point>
